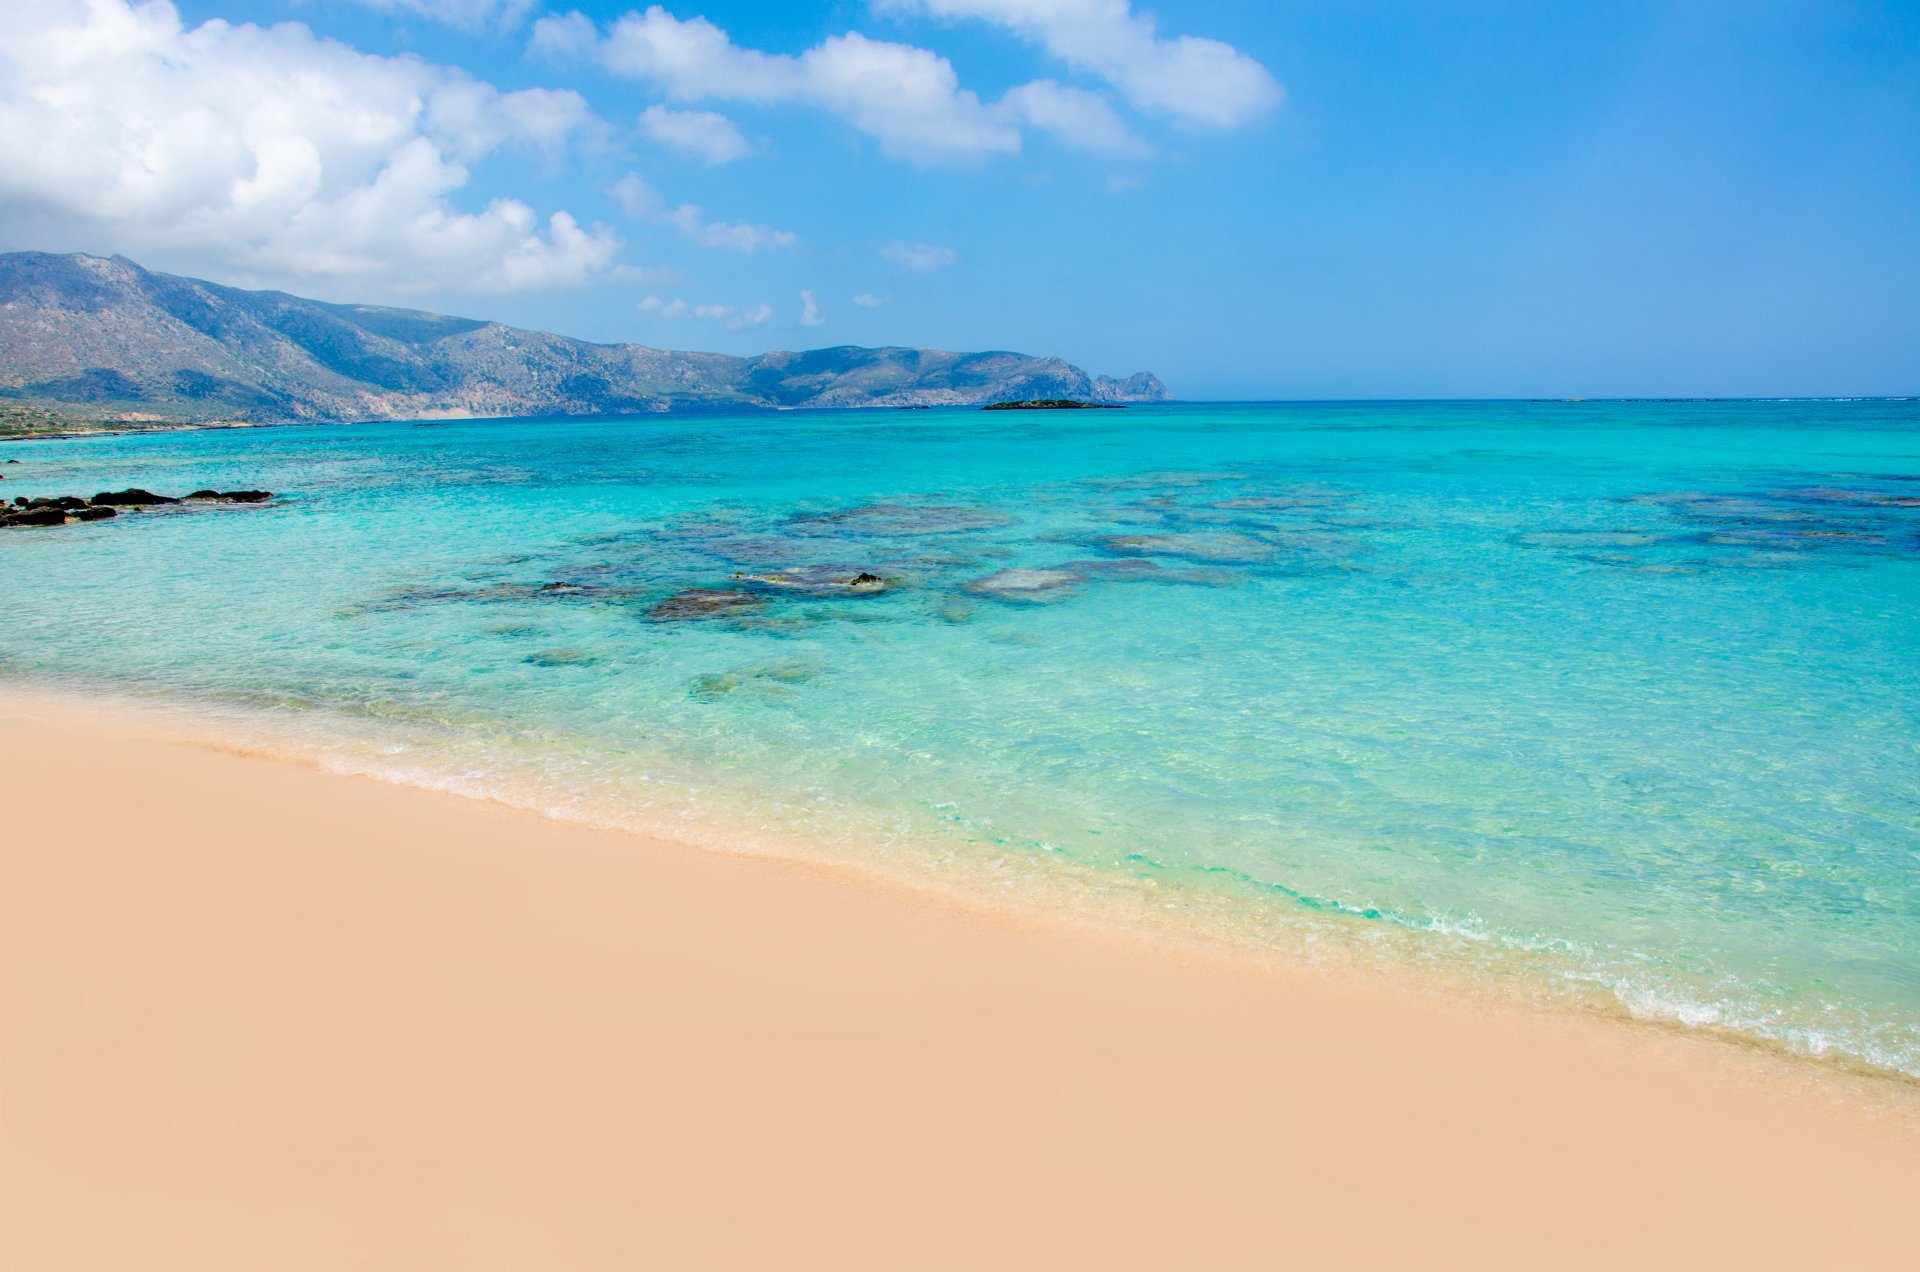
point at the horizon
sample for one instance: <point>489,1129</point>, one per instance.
<point>1407,202</point>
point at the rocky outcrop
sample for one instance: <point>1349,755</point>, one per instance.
<point>59,509</point>
<point>132,497</point>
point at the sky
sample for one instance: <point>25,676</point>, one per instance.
<point>1254,199</point>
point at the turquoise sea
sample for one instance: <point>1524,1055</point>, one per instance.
<point>1613,701</point>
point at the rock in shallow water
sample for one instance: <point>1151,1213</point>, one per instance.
<point>132,497</point>
<point>889,520</point>
<point>820,580</point>
<point>35,517</point>
<point>1201,546</point>
<point>231,496</point>
<point>695,603</point>
<point>1026,585</point>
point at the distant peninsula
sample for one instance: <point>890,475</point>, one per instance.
<point>96,342</point>
<point>1052,404</point>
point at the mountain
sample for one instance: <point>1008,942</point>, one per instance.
<point>104,337</point>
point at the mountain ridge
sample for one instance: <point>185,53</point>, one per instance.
<point>104,335</point>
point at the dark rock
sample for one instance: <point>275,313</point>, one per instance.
<point>133,497</point>
<point>1052,404</point>
<point>67,502</point>
<point>36,517</point>
<point>695,603</point>
<point>232,496</point>
<point>819,580</point>
<point>93,514</point>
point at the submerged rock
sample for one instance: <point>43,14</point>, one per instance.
<point>1135,569</point>
<point>1026,585</point>
<point>695,603</point>
<point>821,580</point>
<point>1199,546</point>
<point>560,658</point>
<point>768,681</point>
<point>1166,479</point>
<point>890,520</point>
<point>1587,539</point>
<point>1281,503</point>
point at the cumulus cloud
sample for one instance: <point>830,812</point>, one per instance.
<point>642,202</point>
<point>1193,80</point>
<point>735,319</point>
<point>1074,114</point>
<point>468,15</point>
<point>710,136</point>
<point>270,154</point>
<point>907,98</point>
<point>924,257</point>
<point>810,315</point>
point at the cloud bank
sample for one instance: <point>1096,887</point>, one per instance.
<point>271,153</point>
<point>909,99</point>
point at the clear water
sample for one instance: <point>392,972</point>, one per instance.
<point>1621,697</point>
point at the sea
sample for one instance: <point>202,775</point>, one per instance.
<point>1611,703</point>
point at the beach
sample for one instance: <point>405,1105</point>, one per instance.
<point>255,1014</point>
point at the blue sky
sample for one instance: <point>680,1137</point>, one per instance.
<point>1334,199</point>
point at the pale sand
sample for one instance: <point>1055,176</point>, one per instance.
<point>256,1016</point>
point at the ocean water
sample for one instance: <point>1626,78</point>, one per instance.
<point>1617,701</point>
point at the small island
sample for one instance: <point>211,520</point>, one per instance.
<point>1052,404</point>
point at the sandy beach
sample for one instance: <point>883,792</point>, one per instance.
<point>256,1015</point>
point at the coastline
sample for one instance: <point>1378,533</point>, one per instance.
<point>265,1014</point>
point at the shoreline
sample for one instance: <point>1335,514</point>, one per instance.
<point>259,1013</point>
<point>1070,896</point>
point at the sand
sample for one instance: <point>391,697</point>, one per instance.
<point>254,1015</point>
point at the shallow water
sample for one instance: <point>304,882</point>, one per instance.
<point>1622,697</point>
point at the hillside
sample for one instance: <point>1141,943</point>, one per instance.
<point>84,336</point>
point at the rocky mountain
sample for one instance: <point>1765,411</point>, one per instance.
<point>110,339</point>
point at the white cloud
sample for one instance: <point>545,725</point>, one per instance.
<point>735,318</point>
<point>923,257</point>
<point>810,315</point>
<point>642,202</point>
<point>268,154</point>
<point>468,15</point>
<point>907,98</point>
<point>1073,114</point>
<point>1193,80</point>
<point>867,300</point>
<point>703,133</point>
